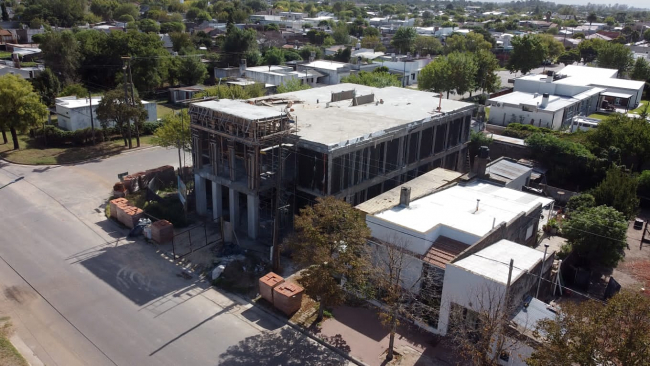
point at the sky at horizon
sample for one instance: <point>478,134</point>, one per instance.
<point>645,4</point>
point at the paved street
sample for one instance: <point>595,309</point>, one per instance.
<point>79,293</point>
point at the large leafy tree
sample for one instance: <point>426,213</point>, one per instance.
<point>237,43</point>
<point>181,41</point>
<point>589,49</point>
<point>640,70</point>
<point>5,14</point>
<point>61,54</point>
<point>113,110</point>
<point>463,77</point>
<point>331,242</point>
<point>618,190</point>
<point>20,106</point>
<point>597,234</point>
<point>48,86</point>
<point>274,56</point>
<point>528,52</point>
<point>148,26</point>
<point>554,48</point>
<point>404,39</point>
<point>486,77</point>
<point>592,333</point>
<point>592,17</point>
<point>63,13</point>
<point>292,85</point>
<point>426,45</point>
<point>436,76</point>
<point>631,136</point>
<point>615,56</point>
<point>191,71</point>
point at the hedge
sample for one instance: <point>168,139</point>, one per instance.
<point>55,136</point>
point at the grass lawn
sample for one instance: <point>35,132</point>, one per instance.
<point>31,152</point>
<point>487,113</point>
<point>164,109</point>
<point>4,54</point>
<point>599,115</point>
<point>640,108</point>
<point>9,355</point>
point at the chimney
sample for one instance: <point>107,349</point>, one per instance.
<point>481,161</point>
<point>242,67</point>
<point>405,196</point>
<point>544,102</point>
<point>549,76</point>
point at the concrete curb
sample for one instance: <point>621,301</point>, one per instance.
<point>125,152</point>
<point>25,351</point>
<point>304,331</point>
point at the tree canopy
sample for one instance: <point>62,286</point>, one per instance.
<point>618,190</point>
<point>113,111</point>
<point>292,85</point>
<point>20,106</point>
<point>376,79</point>
<point>528,52</point>
<point>615,56</point>
<point>404,39</point>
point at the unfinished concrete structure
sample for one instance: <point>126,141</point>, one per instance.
<point>350,141</point>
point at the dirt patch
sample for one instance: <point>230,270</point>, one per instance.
<point>21,295</point>
<point>9,355</point>
<point>639,269</point>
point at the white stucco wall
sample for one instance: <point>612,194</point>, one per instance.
<point>502,116</point>
<point>77,118</point>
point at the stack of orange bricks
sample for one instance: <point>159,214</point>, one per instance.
<point>285,296</point>
<point>162,231</point>
<point>125,213</point>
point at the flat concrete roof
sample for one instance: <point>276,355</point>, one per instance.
<point>241,109</point>
<point>506,170</point>
<point>455,207</point>
<point>555,102</point>
<point>493,262</point>
<point>81,102</point>
<point>421,186</point>
<point>593,73</point>
<point>342,124</point>
<point>327,65</point>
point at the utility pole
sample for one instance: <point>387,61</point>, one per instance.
<point>125,60</point>
<point>276,219</point>
<point>137,129</point>
<point>92,119</point>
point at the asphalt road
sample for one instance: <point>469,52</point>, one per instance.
<point>79,293</point>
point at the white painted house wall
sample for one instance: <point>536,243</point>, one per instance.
<point>502,116</point>
<point>74,114</point>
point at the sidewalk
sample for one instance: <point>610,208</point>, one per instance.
<point>359,331</point>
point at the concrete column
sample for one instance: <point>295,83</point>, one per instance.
<point>234,208</point>
<point>446,144</point>
<point>199,192</point>
<point>217,201</point>
<point>253,210</point>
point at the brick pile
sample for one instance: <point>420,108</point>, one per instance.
<point>115,203</point>
<point>268,283</point>
<point>162,231</point>
<point>129,215</point>
<point>287,297</point>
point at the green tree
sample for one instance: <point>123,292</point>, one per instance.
<point>292,85</point>
<point>174,132</point>
<point>581,201</point>
<point>340,33</point>
<point>148,25</point>
<point>112,110</point>
<point>618,190</point>
<point>615,56</point>
<point>486,77</point>
<point>272,27</point>
<point>126,18</point>
<point>592,17</point>
<point>569,57</point>
<point>631,136</point>
<point>47,85</point>
<point>463,77</point>
<point>61,54</point>
<point>404,39</point>
<point>238,42</point>
<point>424,45</point>
<point>20,106</point>
<point>646,35</point>
<point>126,9</point>
<point>371,32</point>
<point>171,27</point>
<point>376,79</point>
<point>104,8</point>
<point>528,52</point>
<point>554,48</point>
<point>476,140</point>
<point>331,242</point>
<point>372,42</point>
<point>274,56</point>
<point>305,52</point>
<point>593,333</point>
<point>436,76</point>
<point>77,90</point>
<point>640,70</point>
<point>181,41</point>
<point>610,21</point>
<point>63,13</point>
<point>589,49</point>
<point>596,233</point>
<point>191,71</point>
<point>5,14</point>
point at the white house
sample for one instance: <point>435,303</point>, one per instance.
<point>278,75</point>
<point>74,113</point>
<point>407,66</point>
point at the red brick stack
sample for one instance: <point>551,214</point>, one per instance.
<point>116,205</point>
<point>268,283</point>
<point>162,231</point>
<point>287,297</point>
<point>129,215</point>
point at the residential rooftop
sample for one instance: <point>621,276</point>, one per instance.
<point>506,170</point>
<point>421,186</point>
<point>493,262</point>
<point>555,102</point>
<point>74,102</point>
<point>327,65</point>
<point>241,109</point>
<point>456,208</point>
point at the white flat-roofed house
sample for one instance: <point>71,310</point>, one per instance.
<point>75,113</point>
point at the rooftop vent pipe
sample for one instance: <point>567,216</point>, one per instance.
<point>544,103</point>
<point>405,196</point>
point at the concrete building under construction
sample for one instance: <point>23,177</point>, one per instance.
<point>350,141</point>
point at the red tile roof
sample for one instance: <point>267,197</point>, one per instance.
<point>443,251</point>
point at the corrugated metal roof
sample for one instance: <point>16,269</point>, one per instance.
<point>507,169</point>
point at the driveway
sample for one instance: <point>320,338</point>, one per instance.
<point>79,293</point>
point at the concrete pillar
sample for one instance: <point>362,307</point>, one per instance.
<point>253,210</point>
<point>234,208</point>
<point>199,192</point>
<point>217,201</point>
